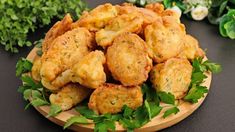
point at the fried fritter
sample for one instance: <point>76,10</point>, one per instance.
<point>120,24</point>
<point>65,51</point>
<point>110,98</point>
<point>173,76</point>
<point>148,16</point>
<point>57,29</point>
<point>164,40</point>
<point>89,71</point>
<point>191,48</point>
<point>69,96</point>
<point>156,7</point>
<point>35,72</point>
<point>128,59</point>
<point>96,18</point>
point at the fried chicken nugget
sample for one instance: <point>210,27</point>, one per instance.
<point>173,76</point>
<point>89,71</point>
<point>164,40</point>
<point>110,98</point>
<point>35,72</point>
<point>191,48</point>
<point>96,18</point>
<point>120,24</point>
<point>69,96</point>
<point>128,59</point>
<point>65,51</point>
<point>57,29</point>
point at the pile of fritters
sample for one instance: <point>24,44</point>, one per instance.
<point>110,51</point>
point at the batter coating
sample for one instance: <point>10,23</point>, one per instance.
<point>164,39</point>
<point>128,60</point>
<point>65,51</point>
<point>120,24</point>
<point>173,76</point>
<point>96,18</point>
<point>110,98</point>
<point>69,96</point>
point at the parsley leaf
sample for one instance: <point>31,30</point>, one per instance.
<point>170,111</point>
<point>213,67</point>
<point>75,119</point>
<point>195,93</point>
<point>86,112</point>
<point>167,98</point>
<point>54,110</point>
<point>23,65</point>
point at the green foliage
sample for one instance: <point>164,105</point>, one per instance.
<point>173,110</point>
<point>75,119</point>
<point>54,110</point>
<point>227,24</point>
<point>198,76</point>
<point>23,65</point>
<point>19,17</point>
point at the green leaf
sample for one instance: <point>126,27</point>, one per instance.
<point>105,126</point>
<point>54,110</point>
<point>23,65</point>
<point>150,94</point>
<point>195,93</point>
<point>213,67</point>
<point>146,104</point>
<point>85,111</point>
<point>75,119</point>
<point>39,102</point>
<point>27,94</point>
<point>167,3</point>
<point>230,28</point>
<point>127,111</point>
<point>198,78</point>
<point>155,109</point>
<point>167,98</point>
<point>170,111</point>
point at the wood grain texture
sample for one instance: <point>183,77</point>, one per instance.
<point>155,124</point>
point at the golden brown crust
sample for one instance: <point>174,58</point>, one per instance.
<point>96,18</point>
<point>164,40</point>
<point>66,50</point>
<point>35,72</point>
<point>173,76</point>
<point>69,96</point>
<point>191,48</point>
<point>57,30</point>
<point>121,24</point>
<point>128,60</point>
<point>110,98</point>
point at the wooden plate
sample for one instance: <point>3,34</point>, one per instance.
<point>155,124</point>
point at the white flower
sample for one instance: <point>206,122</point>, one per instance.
<point>177,10</point>
<point>199,13</point>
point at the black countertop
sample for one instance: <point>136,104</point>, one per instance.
<point>216,114</point>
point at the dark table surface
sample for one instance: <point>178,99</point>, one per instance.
<point>216,114</point>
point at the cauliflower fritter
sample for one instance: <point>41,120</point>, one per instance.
<point>69,96</point>
<point>191,48</point>
<point>164,40</point>
<point>35,72</point>
<point>173,76</point>
<point>89,71</point>
<point>156,7</point>
<point>110,98</point>
<point>120,24</point>
<point>65,51</point>
<point>128,59</point>
<point>96,18</point>
<point>57,30</point>
<point>148,16</point>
